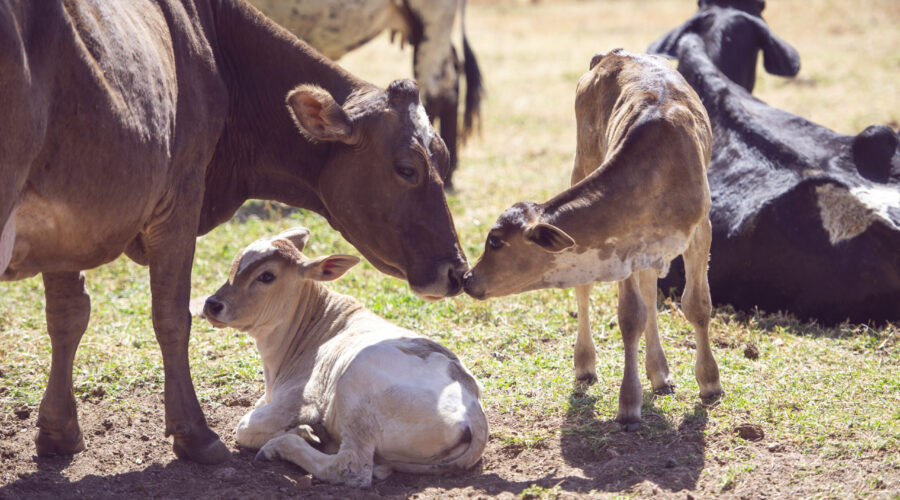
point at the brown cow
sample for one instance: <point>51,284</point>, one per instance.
<point>134,126</point>
<point>639,199</point>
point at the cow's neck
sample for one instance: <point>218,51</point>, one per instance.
<point>318,316</point>
<point>260,154</point>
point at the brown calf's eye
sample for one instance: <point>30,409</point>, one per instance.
<point>494,242</point>
<point>266,277</point>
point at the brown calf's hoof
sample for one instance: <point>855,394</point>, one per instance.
<point>666,389</point>
<point>55,443</point>
<point>585,380</point>
<point>203,451</point>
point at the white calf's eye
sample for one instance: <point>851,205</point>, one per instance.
<point>266,277</point>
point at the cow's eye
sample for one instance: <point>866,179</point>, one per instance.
<point>266,277</point>
<point>494,242</point>
<point>406,173</point>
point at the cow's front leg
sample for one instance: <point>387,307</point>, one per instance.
<point>170,247</point>
<point>632,318</point>
<point>267,422</point>
<point>68,310</point>
<point>585,352</point>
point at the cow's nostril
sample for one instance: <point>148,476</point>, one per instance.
<point>214,306</point>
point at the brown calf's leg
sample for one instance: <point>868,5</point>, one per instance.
<point>585,352</point>
<point>170,259</point>
<point>68,310</point>
<point>632,318</point>
<point>655,361</point>
<point>697,307</point>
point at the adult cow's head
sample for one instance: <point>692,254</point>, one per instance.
<point>382,184</point>
<point>734,32</point>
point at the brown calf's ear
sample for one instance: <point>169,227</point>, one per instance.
<point>596,59</point>
<point>330,267</point>
<point>549,237</point>
<point>318,116</point>
<point>297,237</point>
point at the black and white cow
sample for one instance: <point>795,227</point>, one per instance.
<point>336,27</point>
<point>805,220</point>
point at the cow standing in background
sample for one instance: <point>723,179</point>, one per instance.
<point>805,220</point>
<point>135,126</point>
<point>335,27</point>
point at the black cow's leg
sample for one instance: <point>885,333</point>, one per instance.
<point>632,319</point>
<point>68,310</point>
<point>170,249</point>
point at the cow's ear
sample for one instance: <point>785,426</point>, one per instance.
<point>318,116</point>
<point>548,237</point>
<point>779,58</point>
<point>297,237</point>
<point>330,267</point>
<point>596,59</point>
<point>667,44</point>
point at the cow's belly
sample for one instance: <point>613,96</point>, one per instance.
<point>52,236</point>
<point>572,268</point>
<point>333,27</point>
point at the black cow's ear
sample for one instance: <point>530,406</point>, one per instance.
<point>779,58</point>
<point>548,237</point>
<point>667,45</point>
<point>318,116</point>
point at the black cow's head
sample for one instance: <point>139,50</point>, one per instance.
<point>733,33</point>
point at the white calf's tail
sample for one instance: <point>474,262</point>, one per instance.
<point>462,455</point>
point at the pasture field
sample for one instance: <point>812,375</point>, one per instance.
<point>809,411</point>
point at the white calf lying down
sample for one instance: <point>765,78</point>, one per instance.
<point>388,398</point>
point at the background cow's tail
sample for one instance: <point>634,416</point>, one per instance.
<point>474,88</point>
<point>461,456</point>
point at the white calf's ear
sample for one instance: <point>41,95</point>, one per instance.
<point>318,116</point>
<point>330,267</point>
<point>297,237</point>
<point>548,237</point>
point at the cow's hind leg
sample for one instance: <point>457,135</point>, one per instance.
<point>632,318</point>
<point>655,360</point>
<point>68,310</point>
<point>697,307</point>
<point>352,464</point>
<point>585,352</point>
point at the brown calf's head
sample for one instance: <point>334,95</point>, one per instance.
<point>382,184</point>
<point>519,253</point>
<point>267,280</point>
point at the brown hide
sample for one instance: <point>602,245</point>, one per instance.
<point>135,125</point>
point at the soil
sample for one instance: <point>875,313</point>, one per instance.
<point>127,456</point>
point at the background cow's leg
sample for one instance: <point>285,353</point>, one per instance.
<point>435,68</point>
<point>170,248</point>
<point>655,361</point>
<point>697,308</point>
<point>585,352</point>
<point>68,311</point>
<point>632,318</point>
<point>352,464</point>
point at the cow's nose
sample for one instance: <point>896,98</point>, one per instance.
<point>213,306</point>
<point>467,281</point>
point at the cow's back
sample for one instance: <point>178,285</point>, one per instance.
<point>113,105</point>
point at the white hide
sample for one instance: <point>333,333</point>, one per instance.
<point>847,213</point>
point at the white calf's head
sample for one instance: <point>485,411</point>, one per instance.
<point>269,279</point>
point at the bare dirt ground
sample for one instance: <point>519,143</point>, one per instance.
<point>128,457</point>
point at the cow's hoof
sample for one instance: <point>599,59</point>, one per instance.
<point>585,380</point>
<point>55,443</point>
<point>212,451</point>
<point>711,398</point>
<point>666,389</point>
<point>631,426</point>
